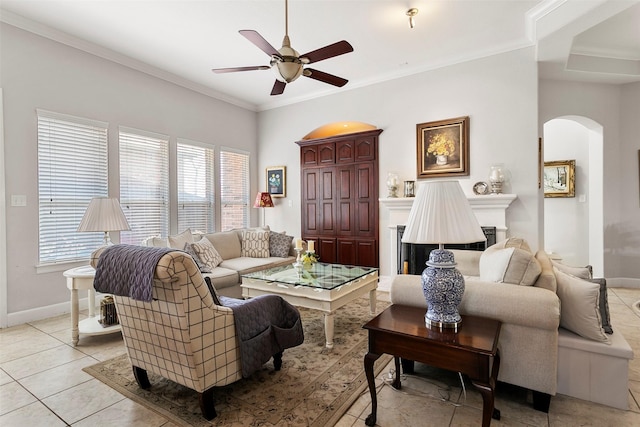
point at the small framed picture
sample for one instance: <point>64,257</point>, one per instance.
<point>559,178</point>
<point>443,148</point>
<point>277,181</point>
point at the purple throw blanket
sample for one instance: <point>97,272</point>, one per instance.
<point>265,325</point>
<point>127,270</point>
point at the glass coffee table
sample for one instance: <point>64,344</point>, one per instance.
<point>324,287</point>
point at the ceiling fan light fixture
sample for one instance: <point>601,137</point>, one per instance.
<point>411,13</point>
<point>287,70</point>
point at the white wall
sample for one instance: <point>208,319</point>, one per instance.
<point>568,140</point>
<point>39,73</point>
<point>499,93</point>
<point>617,109</point>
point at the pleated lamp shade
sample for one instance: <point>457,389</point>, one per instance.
<point>104,214</point>
<point>441,214</point>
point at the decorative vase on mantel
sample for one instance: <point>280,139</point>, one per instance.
<point>442,160</point>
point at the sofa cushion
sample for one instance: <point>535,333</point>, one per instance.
<point>279,244</point>
<point>579,311</point>
<point>581,272</point>
<point>244,265</point>
<point>178,241</point>
<point>255,243</point>
<point>155,241</point>
<point>226,243</point>
<point>509,265</point>
<point>223,278</point>
<point>204,268</point>
<point>207,253</point>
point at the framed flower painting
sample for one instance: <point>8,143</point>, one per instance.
<point>443,148</point>
<point>277,181</point>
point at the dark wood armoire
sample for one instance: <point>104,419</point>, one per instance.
<point>340,197</point>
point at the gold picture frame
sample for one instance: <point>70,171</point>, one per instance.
<point>277,181</point>
<point>443,148</point>
<point>559,178</point>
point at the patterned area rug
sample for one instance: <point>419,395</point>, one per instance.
<point>315,387</point>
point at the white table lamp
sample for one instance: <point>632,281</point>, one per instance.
<point>442,214</point>
<point>104,214</point>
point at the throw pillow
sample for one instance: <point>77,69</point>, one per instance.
<point>581,272</point>
<point>517,242</point>
<point>579,311</point>
<point>255,243</point>
<point>178,241</point>
<point>201,265</point>
<point>207,253</point>
<point>212,290</point>
<point>509,265</point>
<point>279,244</point>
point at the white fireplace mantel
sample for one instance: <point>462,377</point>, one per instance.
<point>490,210</point>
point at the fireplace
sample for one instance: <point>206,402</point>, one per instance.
<point>414,256</point>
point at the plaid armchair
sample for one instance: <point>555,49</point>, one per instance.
<point>181,334</point>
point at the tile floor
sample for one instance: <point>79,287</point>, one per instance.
<point>42,384</point>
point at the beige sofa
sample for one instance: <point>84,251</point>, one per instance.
<point>226,277</point>
<point>536,353</point>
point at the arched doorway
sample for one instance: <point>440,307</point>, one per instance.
<point>574,227</point>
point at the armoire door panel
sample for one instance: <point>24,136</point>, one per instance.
<point>327,220</point>
<point>327,183</point>
<point>346,217</point>
<point>363,220</point>
<point>365,149</point>
<point>326,154</point>
<point>367,253</point>
<point>347,252</point>
<point>310,185</point>
<point>345,183</point>
<point>364,179</point>
<point>327,250</point>
<point>309,221</point>
<point>345,151</point>
<point>309,156</point>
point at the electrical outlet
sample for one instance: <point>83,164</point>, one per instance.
<point>290,203</point>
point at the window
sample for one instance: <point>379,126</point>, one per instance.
<point>196,195</point>
<point>72,169</point>
<point>234,189</point>
<point>144,184</point>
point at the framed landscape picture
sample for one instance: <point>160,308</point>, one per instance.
<point>559,178</point>
<point>277,181</point>
<point>443,148</point>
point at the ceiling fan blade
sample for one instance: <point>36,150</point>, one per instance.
<point>234,69</point>
<point>259,41</point>
<point>278,87</point>
<point>336,49</point>
<point>325,77</point>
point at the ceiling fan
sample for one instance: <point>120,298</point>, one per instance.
<point>288,64</point>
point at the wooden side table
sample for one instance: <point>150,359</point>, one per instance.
<point>473,351</point>
<point>82,278</point>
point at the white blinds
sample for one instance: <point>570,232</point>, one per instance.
<point>144,184</point>
<point>72,169</point>
<point>196,195</point>
<point>234,189</point>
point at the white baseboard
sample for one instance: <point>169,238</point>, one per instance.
<point>40,313</point>
<point>623,282</point>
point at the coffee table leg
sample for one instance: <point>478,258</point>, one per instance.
<point>369,360</point>
<point>328,328</point>
<point>372,301</point>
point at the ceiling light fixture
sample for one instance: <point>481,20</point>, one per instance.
<point>411,13</point>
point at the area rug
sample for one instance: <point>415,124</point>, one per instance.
<point>315,387</point>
